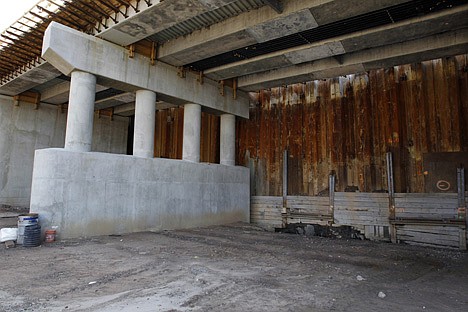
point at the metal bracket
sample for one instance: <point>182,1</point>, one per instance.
<point>181,72</point>
<point>37,101</point>
<point>200,78</point>
<point>153,53</point>
<point>234,88</point>
<point>221,87</point>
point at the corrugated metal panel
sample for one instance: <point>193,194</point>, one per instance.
<point>207,19</point>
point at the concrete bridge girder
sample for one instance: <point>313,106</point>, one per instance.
<point>407,52</point>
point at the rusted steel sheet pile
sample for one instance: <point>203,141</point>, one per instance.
<point>347,124</point>
<point>169,135</point>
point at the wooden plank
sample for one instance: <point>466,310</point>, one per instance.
<point>438,229</point>
<point>368,205</point>
<point>426,195</point>
<point>434,235</point>
<point>427,239</point>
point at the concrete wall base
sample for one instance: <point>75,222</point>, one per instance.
<point>24,129</point>
<point>87,194</point>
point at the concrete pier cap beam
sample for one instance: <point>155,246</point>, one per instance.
<point>191,138</point>
<point>69,50</point>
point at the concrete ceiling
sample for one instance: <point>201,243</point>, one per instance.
<point>203,31</point>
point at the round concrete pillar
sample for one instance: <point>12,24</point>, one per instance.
<point>191,139</point>
<point>145,120</point>
<point>79,133</point>
<point>227,146</point>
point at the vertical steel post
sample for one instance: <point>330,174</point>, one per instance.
<point>391,197</point>
<point>462,215</point>
<point>461,193</point>
<point>390,185</point>
<point>331,187</point>
<point>285,188</point>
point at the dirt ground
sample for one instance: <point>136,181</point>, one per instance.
<point>231,268</point>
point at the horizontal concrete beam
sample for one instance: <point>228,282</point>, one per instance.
<point>262,25</point>
<point>245,29</point>
<point>447,20</point>
<point>153,16</point>
<point>56,94</point>
<point>69,50</point>
<point>116,100</point>
<point>39,74</point>
<point>427,48</point>
<point>59,93</point>
<point>129,108</point>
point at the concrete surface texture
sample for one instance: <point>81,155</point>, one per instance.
<point>231,269</point>
<point>79,132</point>
<point>87,194</point>
<point>145,121</point>
<point>40,73</point>
<point>358,62</point>
<point>192,128</point>
<point>240,31</point>
<point>69,50</point>
<point>24,130</point>
<point>227,141</point>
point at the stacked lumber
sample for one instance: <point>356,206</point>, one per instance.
<point>308,209</point>
<point>361,209</point>
<point>266,211</point>
<point>426,206</point>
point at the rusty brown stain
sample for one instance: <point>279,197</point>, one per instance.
<point>347,125</point>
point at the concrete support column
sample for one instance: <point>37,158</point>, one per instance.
<point>228,140</point>
<point>145,120</point>
<point>191,140</point>
<point>79,133</point>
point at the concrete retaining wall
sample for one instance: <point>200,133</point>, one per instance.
<point>24,130</point>
<point>87,194</point>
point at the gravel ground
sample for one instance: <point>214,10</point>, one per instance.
<point>231,268</point>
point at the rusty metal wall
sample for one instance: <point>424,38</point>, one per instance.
<point>347,124</point>
<point>169,135</point>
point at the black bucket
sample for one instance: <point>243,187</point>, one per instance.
<point>32,235</point>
